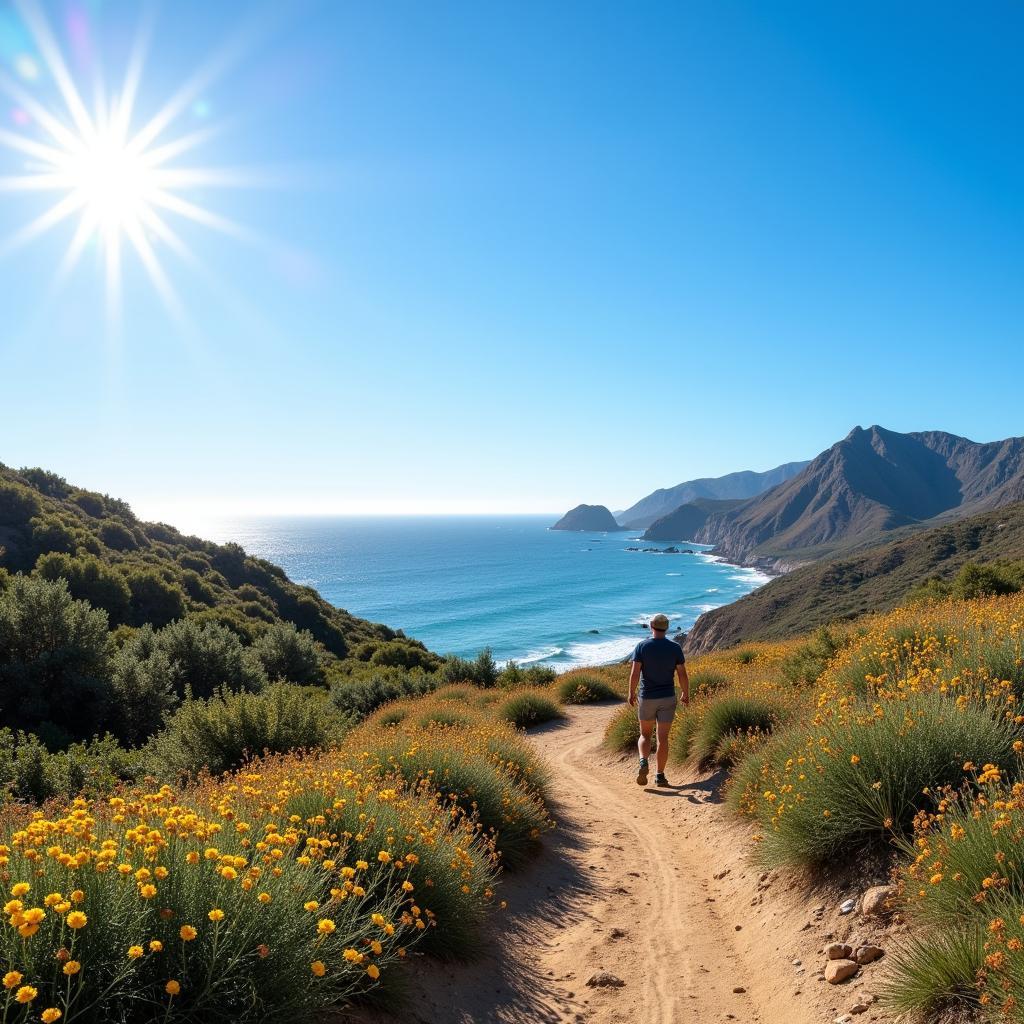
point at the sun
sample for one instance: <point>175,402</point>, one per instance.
<point>120,183</point>
<point>114,186</point>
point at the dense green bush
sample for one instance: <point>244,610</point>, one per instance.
<point>482,670</point>
<point>529,707</point>
<point>91,580</point>
<point>362,698</point>
<point>511,813</point>
<point>222,732</point>
<point>705,682</point>
<point>727,720</point>
<point>207,657</point>
<point>585,689</point>
<point>53,667</point>
<point>155,601</point>
<point>973,580</point>
<point>512,676</point>
<point>28,771</point>
<point>292,655</point>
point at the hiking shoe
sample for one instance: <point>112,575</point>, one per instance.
<point>661,781</point>
<point>641,775</point>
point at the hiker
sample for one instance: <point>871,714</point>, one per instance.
<point>656,664</point>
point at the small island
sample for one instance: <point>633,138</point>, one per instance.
<point>588,518</point>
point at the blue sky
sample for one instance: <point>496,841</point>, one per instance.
<point>516,256</point>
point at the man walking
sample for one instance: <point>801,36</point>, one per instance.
<point>655,662</point>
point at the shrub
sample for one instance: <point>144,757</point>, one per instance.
<point>443,716</point>
<point>293,655</point>
<point>824,792</point>
<point>53,661</point>
<point>512,676</point>
<point>460,765</point>
<point>746,657</point>
<point>705,682</point>
<point>154,600</point>
<point>482,671</point>
<point>17,504</point>
<point>730,719</point>
<point>89,579</point>
<point>221,733</point>
<point>362,698</point>
<point>585,689</point>
<point>142,683</point>
<point>117,536</point>
<point>623,731</point>
<point>401,654</point>
<point>206,657</point>
<point>30,772</point>
<point>806,664</point>
<point>932,973</point>
<point>527,707</point>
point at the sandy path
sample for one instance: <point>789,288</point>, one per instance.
<point>631,888</point>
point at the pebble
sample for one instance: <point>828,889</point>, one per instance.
<point>868,954</point>
<point>838,971</point>
<point>605,979</point>
<point>797,963</point>
<point>739,990</point>
<point>846,907</point>
<point>878,901</point>
<point>838,951</point>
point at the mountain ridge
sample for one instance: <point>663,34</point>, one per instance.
<point>739,485</point>
<point>868,484</point>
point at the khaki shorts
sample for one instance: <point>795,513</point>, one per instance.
<point>656,709</point>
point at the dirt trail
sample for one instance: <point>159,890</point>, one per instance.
<point>654,886</point>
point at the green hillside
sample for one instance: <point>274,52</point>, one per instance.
<point>149,573</point>
<point>874,579</point>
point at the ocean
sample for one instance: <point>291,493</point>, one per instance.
<point>461,583</point>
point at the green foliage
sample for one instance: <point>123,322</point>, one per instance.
<point>45,482</point>
<point>292,655</point>
<point>929,974</point>
<point>142,679</point>
<point>585,689</point>
<point>17,504</point>
<point>973,580</point>
<point>623,731</point>
<point>117,536</point>
<point>918,746</point>
<point>525,708</point>
<point>511,813</point>
<point>52,661</point>
<point>805,665</point>
<point>746,657</point>
<point>154,600</point>
<point>222,732</point>
<point>512,676</point>
<point>482,671</point>
<point>91,580</point>
<point>402,654</point>
<point>30,772</point>
<point>362,698</point>
<point>727,720</point>
<point>705,682</point>
<point>205,658</point>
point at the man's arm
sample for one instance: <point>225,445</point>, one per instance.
<point>684,683</point>
<point>634,681</point>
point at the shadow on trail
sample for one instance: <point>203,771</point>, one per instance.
<point>703,791</point>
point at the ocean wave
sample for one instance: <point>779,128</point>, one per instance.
<point>534,657</point>
<point>747,575</point>
<point>673,574</point>
<point>603,652</point>
<point>706,607</point>
<point>711,590</point>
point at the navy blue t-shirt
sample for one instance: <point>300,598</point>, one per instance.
<point>659,657</point>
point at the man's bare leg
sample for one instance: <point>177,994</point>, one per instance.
<point>644,747</point>
<point>663,728</point>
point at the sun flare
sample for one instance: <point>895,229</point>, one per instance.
<point>121,184</point>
